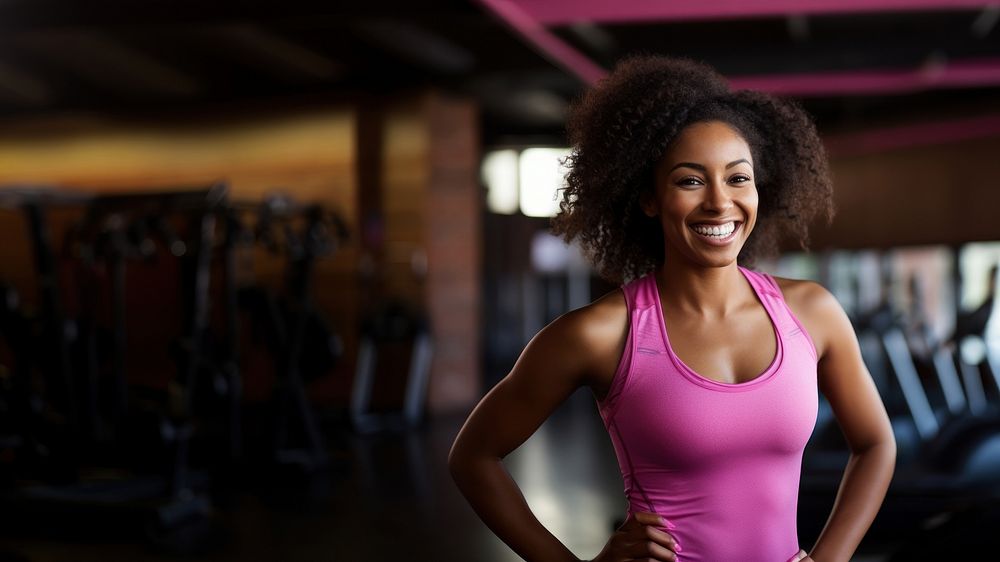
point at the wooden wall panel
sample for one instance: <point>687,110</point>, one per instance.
<point>944,194</point>
<point>311,156</point>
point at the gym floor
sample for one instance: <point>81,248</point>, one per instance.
<point>393,499</point>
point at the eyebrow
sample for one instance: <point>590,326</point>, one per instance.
<point>702,168</point>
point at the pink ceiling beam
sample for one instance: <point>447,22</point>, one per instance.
<point>970,73</point>
<point>936,74</point>
<point>914,135</point>
<point>545,42</point>
<point>555,12</point>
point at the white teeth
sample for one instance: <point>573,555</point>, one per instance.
<point>719,231</point>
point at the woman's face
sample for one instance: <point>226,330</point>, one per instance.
<point>704,194</point>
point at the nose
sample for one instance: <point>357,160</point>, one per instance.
<point>717,197</point>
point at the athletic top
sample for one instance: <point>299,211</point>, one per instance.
<point>721,462</point>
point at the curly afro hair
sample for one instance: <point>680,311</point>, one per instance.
<point>620,130</point>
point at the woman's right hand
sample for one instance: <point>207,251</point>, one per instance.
<point>639,539</point>
<point>801,556</point>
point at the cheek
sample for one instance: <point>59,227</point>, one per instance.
<point>680,204</point>
<point>750,200</point>
<point>750,203</point>
<point>675,218</point>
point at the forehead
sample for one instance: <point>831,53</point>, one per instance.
<point>706,143</point>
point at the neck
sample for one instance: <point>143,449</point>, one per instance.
<point>709,292</point>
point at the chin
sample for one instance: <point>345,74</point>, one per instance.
<point>702,260</point>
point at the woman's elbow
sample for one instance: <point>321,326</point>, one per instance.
<point>882,448</point>
<point>890,443</point>
<point>456,459</point>
<point>461,459</point>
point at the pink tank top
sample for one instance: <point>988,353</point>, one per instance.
<point>720,462</point>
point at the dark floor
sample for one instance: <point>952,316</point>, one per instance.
<point>393,499</point>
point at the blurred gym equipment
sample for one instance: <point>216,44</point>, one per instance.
<point>100,493</point>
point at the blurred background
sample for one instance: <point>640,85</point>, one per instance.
<point>260,259</point>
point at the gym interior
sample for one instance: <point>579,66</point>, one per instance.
<point>260,261</point>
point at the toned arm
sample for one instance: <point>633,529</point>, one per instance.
<point>574,350</point>
<point>847,385</point>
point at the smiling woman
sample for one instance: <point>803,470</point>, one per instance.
<point>712,202</point>
<point>621,130</point>
<point>705,372</point>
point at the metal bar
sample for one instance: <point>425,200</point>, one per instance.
<point>364,379</point>
<point>417,379</point>
<point>951,385</point>
<point>974,388</point>
<point>918,134</point>
<point>967,73</point>
<point>547,43</point>
<point>53,316</point>
<point>621,11</point>
<point>993,361</point>
<point>909,381</point>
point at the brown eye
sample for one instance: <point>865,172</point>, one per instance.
<point>740,179</point>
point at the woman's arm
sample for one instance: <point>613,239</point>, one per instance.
<point>552,366</point>
<point>847,385</point>
<point>580,348</point>
<point>541,379</point>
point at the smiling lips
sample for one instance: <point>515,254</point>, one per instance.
<point>717,233</point>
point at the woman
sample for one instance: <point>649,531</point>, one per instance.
<point>705,372</point>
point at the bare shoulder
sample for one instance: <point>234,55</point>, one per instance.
<point>802,294</point>
<point>816,307</point>
<point>600,330</point>
<point>602,323</point>
<point>607,314</point>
